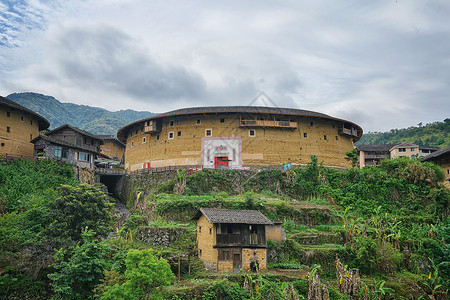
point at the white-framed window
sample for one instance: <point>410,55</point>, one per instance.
<point>412,150</point>
<point>132,144</point>
<point>144,140</point>
<point>170,135</point>
<point>401,149</point>
<point>251,133</point>
<point>83,156</point>
<point>208,132</point>
<point>198,122</point>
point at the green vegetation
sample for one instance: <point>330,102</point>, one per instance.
<point>386,228</point>
<point>436,134</point>
<point>92,119</point>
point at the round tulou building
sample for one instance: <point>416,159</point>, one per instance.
<point>237,137</point>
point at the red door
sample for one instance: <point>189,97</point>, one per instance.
<point>221,162</point>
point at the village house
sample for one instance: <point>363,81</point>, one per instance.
<point>68,144</point>
<point>230,240</point>
<point>372,155</point>
<point>18,126</point>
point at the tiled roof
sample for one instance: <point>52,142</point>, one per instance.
<point>429,148</point>
<point>88,134</point>
<point>109,137</point>
<point>436,155</point>
<point>43,123</point>
<point>234,216</point>
<point>234,109</point>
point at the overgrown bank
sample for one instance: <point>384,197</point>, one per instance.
<point>390,223</point>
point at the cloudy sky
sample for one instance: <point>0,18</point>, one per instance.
<point>382,64</point>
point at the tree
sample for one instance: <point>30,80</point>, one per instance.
<point>77,207</point>
<point>353,157</point>
<point>145,273</point>
<point>78,270</point>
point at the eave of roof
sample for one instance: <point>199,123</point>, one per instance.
<point>43,123</point>
<point>109,137</point>
<point>88,134</point>
<point>121,133</point>
<point>436,155</point>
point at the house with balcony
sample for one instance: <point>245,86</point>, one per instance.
<point>229,240</point>
<point>68,144</point>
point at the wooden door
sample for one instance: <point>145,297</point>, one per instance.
<point>237,264</point>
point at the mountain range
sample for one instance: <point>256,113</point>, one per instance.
<point>92,119</point>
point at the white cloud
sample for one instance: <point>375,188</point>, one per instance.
<point>381,64</point>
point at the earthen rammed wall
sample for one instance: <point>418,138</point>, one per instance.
<point>23,127</point>
<point>206,239</point>
<point>269,146</point>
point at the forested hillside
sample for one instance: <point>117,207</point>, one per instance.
<point>436,134</point>
<point>92,119</point>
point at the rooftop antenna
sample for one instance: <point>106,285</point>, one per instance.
<point>264,99</point>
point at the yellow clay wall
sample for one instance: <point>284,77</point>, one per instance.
<point>249,255</point>
<point>274,233</point>
<point>206,241</point>
<point>268,146</point>
<point>17,141</point>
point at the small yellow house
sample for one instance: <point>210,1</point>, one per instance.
<point>229,240</point>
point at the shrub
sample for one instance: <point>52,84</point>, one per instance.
<point>79,270</point>
<point>76,208</point>
<point>225,290</point>
<point>145,273</point>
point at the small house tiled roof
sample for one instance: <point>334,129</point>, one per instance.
<point>233,216</point>
<point>43,123</point>
<point>429,148</point>
<point>437,155</point>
